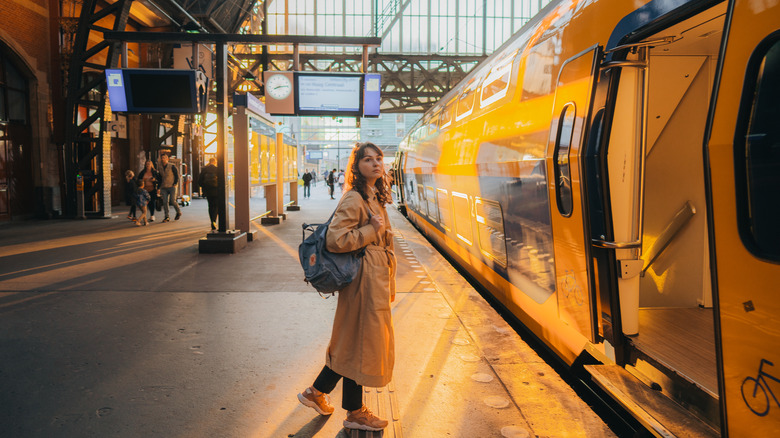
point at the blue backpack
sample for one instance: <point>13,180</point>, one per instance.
<point>326,271</point>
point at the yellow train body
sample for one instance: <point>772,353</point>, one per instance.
<point>611,175</point>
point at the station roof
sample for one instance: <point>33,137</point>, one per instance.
<point>213,16</point>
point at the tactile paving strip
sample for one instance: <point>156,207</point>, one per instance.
<point>383,403</point>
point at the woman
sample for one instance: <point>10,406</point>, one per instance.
<point>151,181</point>
<point>361,349</point>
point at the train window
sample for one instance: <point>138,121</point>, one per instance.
<point>445,213</point>
<point>430,197</point>
<point>760,150</point>
<point>421,204</point>
<point>496,84</point>
<point>411,197</point>
<point>540,68</point>
<point>561,159</point>
<point>462,210</point>
<point>446,115</point>
<point>466,101</point>
<point>490,229</point>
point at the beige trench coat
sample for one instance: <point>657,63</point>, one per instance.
<point>362,346</point>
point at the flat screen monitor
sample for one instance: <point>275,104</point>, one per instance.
<point>329,94</point>
<point>153,91</point>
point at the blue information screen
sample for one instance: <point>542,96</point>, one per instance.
<point>116,90</point>
<point>373,86</point>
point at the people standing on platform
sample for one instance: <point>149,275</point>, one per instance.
<point>331,181</point>
<point>362,348</point>
<point>208,180</point>
<point>141,199</point>
<point>170,181</point>
<point>306,184</point>
<point>130,186</point>
<point>314,177</point>
<point>341,181</point>
<point>151,180</point>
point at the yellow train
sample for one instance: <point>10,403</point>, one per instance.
<point>612,176</point>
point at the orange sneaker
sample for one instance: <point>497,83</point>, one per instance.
<point>364,419</point>
<point>320,402</point>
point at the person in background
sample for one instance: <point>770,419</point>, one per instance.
<point>151,179</point>
<point>141,199</point>
<point>130,186</point>
<point>341,181</point>
<point>331,181</point>
<point>168,184</point>
<point>362,347</point>
<point>208,180</point>
<point>306,184</point>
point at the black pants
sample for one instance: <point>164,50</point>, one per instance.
<point>213,210</point>
<point>352,395</point>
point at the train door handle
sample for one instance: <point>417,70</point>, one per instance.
<point>616,245</point>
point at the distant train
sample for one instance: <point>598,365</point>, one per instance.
<point>611,175</point>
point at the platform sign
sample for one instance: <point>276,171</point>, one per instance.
<point>252,104</point>
<point>116,90</point>
<point>371,95</point>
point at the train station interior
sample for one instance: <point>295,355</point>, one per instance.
<point>582,238</point>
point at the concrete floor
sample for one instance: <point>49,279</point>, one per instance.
<point>112,330</point>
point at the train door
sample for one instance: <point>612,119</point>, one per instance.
<point>743,152</point>
<point>662,88</point>
<point>397,175</point>
<point>571,110</point>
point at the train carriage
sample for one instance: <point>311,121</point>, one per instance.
<point>612,176</point>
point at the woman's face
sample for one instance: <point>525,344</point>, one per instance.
<point>148,165</point>
<point>372,165</point>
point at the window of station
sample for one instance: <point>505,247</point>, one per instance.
<point>13,93</point>
<point>490,229</point>
<point>496,84</point>
<point>445,212</point>
<point>430,197</point>
<point>760,197</point>
<point>462,209</point>
<point>561,160</point>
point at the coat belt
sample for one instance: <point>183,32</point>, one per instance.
<point>389,252</point>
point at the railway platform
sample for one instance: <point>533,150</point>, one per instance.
<point>108,329</point>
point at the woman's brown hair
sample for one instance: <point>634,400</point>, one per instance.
<point>353,179</point>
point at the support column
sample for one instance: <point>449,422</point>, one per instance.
<point>222,116</point>
<point>224,240</point>
<point>280,175</point>
<point>241,166</point>
<point>274,193</point>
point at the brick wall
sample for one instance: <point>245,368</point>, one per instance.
<point>26,24</point>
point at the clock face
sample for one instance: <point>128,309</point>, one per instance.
<point>278,87</point>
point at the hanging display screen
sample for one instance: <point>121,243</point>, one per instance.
<point>328,94</point>
<point>156,91</point>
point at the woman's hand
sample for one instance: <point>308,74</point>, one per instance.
<point>377,222</point>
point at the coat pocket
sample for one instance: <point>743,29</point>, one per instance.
<point>376,284</point>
